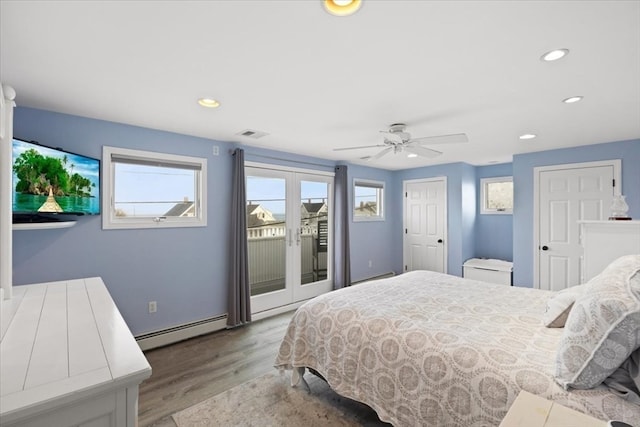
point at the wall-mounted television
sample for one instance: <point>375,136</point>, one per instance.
<point>50,181</point>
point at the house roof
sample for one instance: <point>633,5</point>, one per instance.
<point>179,209</point>
<point>313,207</point>
<point>316,83</point>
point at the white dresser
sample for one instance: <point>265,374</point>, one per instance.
<point>67,358</point>
<point>604,241</point>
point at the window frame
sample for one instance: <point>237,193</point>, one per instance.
<point>369,183</point>
<point>111,222</point>
<point>484,210</point>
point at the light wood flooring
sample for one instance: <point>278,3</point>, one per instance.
<point>191,371</point>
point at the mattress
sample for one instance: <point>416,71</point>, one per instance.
<point>425,348</point>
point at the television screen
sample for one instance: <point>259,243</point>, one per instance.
<point>53,181</point>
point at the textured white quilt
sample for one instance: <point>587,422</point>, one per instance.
<point>429,349</point>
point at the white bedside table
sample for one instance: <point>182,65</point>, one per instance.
<point>529,410</point>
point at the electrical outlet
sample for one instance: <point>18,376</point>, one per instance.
<point>216,150</point>
<point>153,306</point>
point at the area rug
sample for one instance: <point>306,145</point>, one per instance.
<point>270,400</point>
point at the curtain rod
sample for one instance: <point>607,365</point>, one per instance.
<point>285,160</point>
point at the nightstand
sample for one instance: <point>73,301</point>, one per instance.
<point>529,410</point>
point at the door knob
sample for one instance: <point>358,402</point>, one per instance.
<point>439,240</point>
<point>545,248</point>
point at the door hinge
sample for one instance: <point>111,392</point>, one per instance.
<point>614,182</point>
<point>405,268</point>
<point>406,194</point>
<point>405,231</point>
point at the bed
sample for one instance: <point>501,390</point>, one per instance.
<point>430,349</point>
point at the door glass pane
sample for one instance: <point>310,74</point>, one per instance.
<point>266,234</point>
<point>314,231</point>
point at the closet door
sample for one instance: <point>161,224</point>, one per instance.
<point>568,194</point>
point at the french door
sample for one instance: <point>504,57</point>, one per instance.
<point>289,240</point>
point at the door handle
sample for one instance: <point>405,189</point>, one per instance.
<point>298,236</point>
<point>439,240</point>
<point>290,238</point>
<point>545,248</point>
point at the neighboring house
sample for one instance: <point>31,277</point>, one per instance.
<point>262,223</point>
<point>185,208</point>
<point>311,211</point>
<point>366,209</point>
<point>258,215</point>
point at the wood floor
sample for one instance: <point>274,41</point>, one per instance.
<point>191,371</point>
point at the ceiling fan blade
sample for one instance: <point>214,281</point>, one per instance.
<point>455,138</point>
<point>422,151</point>
<point>357,148</point>
<point>380,154</point>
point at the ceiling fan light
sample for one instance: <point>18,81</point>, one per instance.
<point>208,102</point>
<point>412,155</point>
<point>572,99</point>
<point>554,55</point>
<point>342,7</point>
<point>528,136</point>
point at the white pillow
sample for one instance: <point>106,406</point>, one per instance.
<point>559,306</point>
<point>603,327</point>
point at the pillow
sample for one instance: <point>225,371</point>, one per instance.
<point>603,327</point>
<point>559,306</point>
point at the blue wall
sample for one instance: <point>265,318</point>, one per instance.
<point>374,240</point>
<point>185,269</point>
<point>493,233</point>
<point>523,165</point>
<point>460,210</point>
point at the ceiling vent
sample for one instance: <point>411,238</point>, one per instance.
<point>251,133</point>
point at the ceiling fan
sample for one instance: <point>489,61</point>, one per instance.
<point>396,140</point>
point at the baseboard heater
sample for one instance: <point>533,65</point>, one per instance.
<point>380,276</point>
<point>181,332</point>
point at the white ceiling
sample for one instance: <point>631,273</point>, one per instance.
<point>315,82</point>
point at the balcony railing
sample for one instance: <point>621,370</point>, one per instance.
<point>267,262</point>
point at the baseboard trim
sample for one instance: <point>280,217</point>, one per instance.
<point>182,332</point>
<point>278,310</point>
<point>379,276</point>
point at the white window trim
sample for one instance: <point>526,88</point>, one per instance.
<point>111,222</point>
<point>483,187</point>
<point>364,182</point>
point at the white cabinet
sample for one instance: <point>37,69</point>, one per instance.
<point>67,358</point>
<point>488,270</point>
<point>604,241</point>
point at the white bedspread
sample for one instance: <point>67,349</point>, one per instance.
<point>430,349</point>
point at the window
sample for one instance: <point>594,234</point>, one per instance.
<point>368,200</point>
<point>497,195</point>
<point>145,189</point>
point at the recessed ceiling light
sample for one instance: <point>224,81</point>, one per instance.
<point>412,155</point>
<point>572,99</point>
<point>527,136</point>
<point>208,102</point>
<point>554,55</point>
<point>342,7</point>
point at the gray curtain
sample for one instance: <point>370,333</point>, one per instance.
<point>239,306</point>
<point>342,258</point>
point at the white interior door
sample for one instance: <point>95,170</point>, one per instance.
<point>425,225</point>
<point>566,195</point>
<point>289,240</point>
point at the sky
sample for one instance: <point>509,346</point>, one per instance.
<point>270,192</point>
